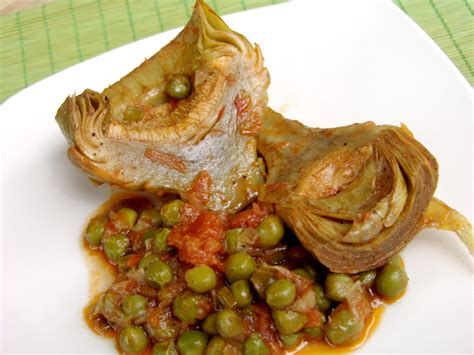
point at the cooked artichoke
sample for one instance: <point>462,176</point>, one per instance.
<point>354,195</point>
<point>136,136</point>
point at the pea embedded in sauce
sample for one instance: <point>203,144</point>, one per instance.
<point>280,294</point>
<point>289,322</point>
<point>127,218</point>
<point>116,246</point>
<point>150,216</point>
<point>95,231</point>
<point>230,325</point>
<point>165,348</point>
<point>239,266</point>
<point>343,327</point>
<point>192,342</point>
<point>270,232</point>
<point>202,304</point>
<point>133,340</point>
<point>337,285</point>
<point>134,305</point>
<point>186,307</point>
<point>158,274</point>
<point>391,281</point>
<point>201,278</point>
<point>254,345</point>
<point>241,291</point>
<point>171,213</point>
<point>216,346</point>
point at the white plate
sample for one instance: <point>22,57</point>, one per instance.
<point>332,63</point>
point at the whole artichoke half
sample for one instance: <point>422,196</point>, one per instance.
<point>173,141</point>
<point>353,195</point>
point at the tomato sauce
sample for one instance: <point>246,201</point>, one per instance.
<point>199,239</point>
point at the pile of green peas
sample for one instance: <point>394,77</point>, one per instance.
<point>110,233</point>
<point>225,328</point>
<point>343,327</point>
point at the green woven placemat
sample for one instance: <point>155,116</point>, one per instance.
<point>450,23</point>
<point>39,42</point>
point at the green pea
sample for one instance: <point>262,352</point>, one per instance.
<point>391,281</point>
<point>95,231</point>
<point>242,294</point>
<point>127,217</point>
<point>178,86</point>
<point>314,332</point>
<point>270,231</point>
<point>116,246</point>
<point>232,240</point>
<point>171,212</point>
<point>239,266</point>
<point>302,272</point>
<point>312,271</point>
<point>337,285</point>
<point>290,341</point>
<point>280,294</point>
<point>321,301</point>
<point>343,327</point>
<point>165,348</point>
<point>186,307</point>
<point>209,324</point>
<point>160,239</point>
<point>396,261</point>
<point>230,325</point>
<point>192,342</point>
<point>289,322</point>
<point>132,114</point>
<point>216,346</point>
<point>133,340</point>
<point>158,274</point>
<point>147,260</point>
<point>134,305</point>
<point>150,233</point>
<point>122,263</point>
<point>254,345</point>
<point>201,278</point>
<point>367,278</point>
<point>151,216</point>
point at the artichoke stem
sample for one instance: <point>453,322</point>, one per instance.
<point>440,216</point>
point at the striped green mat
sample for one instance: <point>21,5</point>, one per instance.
<point>41,41</point>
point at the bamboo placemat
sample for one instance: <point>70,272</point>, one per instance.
<point>39,42</point>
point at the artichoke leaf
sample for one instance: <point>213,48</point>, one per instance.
<point>361,195</point>
<point>384,214</point>
<point>165,143</point>
<point>354,195</point>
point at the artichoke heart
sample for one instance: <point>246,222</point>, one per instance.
<point>355,195</point>
<point>136,136</point>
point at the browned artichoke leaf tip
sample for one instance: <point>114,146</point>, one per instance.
<point>135,136</point>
